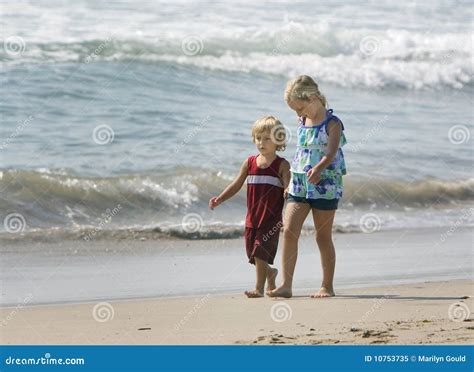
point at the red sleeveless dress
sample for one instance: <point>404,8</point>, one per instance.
<point>264,210</point>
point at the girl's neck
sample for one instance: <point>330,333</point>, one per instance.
<point>320,116</point>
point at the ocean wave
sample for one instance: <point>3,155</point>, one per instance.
<point>411,193</point>
<point>90,233</point>
<point>358,223</point>
<point>349,58</point>
<point>48,199</point>
<point>191,186</point>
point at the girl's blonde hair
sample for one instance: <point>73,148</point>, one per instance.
<point>274,127</point>
<point>303,87</point>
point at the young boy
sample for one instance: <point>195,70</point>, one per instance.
<point>268,176</point>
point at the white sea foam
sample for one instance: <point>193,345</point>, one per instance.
<point>388,45</point>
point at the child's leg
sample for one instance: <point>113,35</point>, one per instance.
<point>262,268</point>
<point>323,221</point>
<point>295,214</point>
<point>271,278</point>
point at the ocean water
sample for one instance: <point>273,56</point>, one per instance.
<point>129,115</point>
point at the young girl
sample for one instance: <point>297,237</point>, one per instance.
<point>316,181</point>
<point>267,177</point>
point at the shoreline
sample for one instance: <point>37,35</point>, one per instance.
<point>401,314</point>
<point>299,292</point>
<point>78,271</point>
<point>157,234</point>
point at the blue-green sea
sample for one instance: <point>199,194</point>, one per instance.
<point>130,115</point>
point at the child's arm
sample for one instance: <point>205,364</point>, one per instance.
<point>284,173</point>
<point>334,137</point>
<point>233,188</point>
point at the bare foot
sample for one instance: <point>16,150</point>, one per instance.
<point>253,294</point>
<point>280,292</point>
<point>324,292</point>
<point>271,277</point>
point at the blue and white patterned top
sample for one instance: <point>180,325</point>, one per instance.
<point>311,148</point>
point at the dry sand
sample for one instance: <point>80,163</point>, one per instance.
<point>401,314</point>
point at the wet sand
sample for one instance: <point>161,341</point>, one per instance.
<point>65,271</point>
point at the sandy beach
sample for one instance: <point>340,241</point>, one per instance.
<point>393,287</point>
<point>423,313</point>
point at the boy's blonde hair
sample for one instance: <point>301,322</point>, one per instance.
<point>274,127</point>
<point>302,88</point>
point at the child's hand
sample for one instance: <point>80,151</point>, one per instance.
<point>314,176</point>
<point>214,202</point>
<point>285,193</point>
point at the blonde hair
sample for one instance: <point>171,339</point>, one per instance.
<point>302,88</point>
<point>275,127</point>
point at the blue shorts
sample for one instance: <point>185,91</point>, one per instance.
<point>323,204</point>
